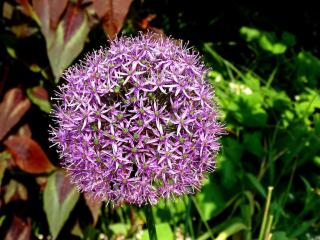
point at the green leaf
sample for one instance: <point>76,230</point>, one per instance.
<point>219,227</point>
<point>3,166</point>
<point>250,115</point>
<point>302,228</point>
<point>316,120</point>
<point>4,156</point>
<point>275,99</point>
<point>307,69</point>
<point>309,194</point>
<point>162,212</point>
<point>316,161</point>
<point>250,33</point>
<point>245,105</point>
<point>35,68</point>
<point>246,214</point>
<point>307,103</point>
<point>210,200</point>
<point>230,161</point>
<point>61,53</point>
<point>77,231</point>
<point>288,39</point>
<point>119,228</point>
<point>2,218</point>
<point>11,52</point>
<point>279,236</point>
<point>163,232</point>
<point>166,211</point>
<point>267,43</point>
<point>60,197</point>
<point>66,40</point>
<point>42,103</point>
<point>254,181</point>
<point>252,81</point>
<point>231,230</point>
<point>257,118</point>
<point>252,143</point>
<point>267,40</point>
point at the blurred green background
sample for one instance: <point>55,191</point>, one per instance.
<point>265,68</point>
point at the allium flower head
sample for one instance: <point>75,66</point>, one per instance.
<point>136,121</point>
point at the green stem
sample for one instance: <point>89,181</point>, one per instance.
<point>202,217</point>
<point>265,215</point>
<point>286,193</point>
<point>188,220</point>
<point>269,226</point>
<point>150,222</point>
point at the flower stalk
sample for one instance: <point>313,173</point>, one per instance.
<point>264,227</point>
<point>150,222</point>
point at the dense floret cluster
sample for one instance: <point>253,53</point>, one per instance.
<point>136,122</point>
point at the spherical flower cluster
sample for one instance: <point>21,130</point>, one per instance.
<point>136,122</point>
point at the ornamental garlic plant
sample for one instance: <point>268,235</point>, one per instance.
<point>136,122</point>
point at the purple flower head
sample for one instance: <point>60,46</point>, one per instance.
<point>136,122</point>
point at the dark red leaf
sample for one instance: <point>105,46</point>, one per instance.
<point>94,207</point>
<point>49,12</point>
<point>57,7</point>
<point>19,229</point>
<point>39,96</point>
<point>40,93</point>
<point>42,182</point>
<point>25,131</point>
<point>72,20</point>
<point>42,10</point>
<point>113,13</point>
<point>28,155</point>
<point>63,186</point>
<point>15,191</point>
<point>23,30</point>
<point>145,23</point>
<point>26,7</point>
<point>7,10</point>
<point>65,27</point>
<point>101,7</point>
<point>12,108</point>
<point>146,26</point>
